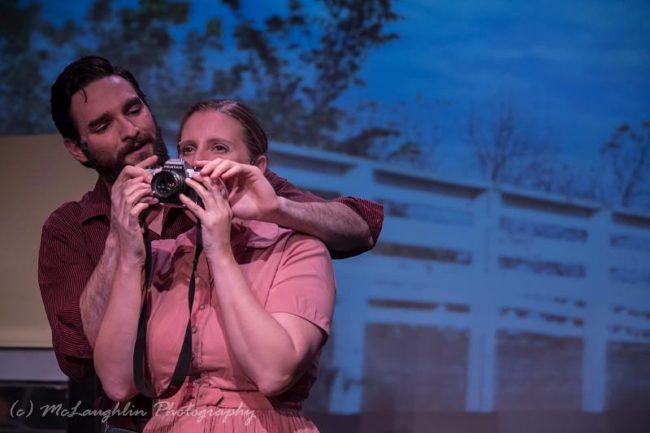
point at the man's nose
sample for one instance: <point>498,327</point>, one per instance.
<point>128,129</point>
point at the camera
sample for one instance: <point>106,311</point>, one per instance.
<point>168,182</point>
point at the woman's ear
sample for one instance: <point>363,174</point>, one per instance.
<point>262,162</point>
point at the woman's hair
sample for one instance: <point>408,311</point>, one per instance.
<point>254,135</point>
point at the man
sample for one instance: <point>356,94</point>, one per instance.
<point>107,125</point>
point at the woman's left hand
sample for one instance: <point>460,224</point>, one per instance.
<point>215,215</point>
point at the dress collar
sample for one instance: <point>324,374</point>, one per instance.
<point>243,233</point>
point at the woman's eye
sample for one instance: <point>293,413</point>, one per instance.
<point>220,148</point>
<point>187,149</point>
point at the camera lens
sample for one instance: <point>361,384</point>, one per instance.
<point>167,184</point>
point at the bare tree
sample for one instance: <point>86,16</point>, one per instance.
<point>506,147</point>
<point>628,156</point>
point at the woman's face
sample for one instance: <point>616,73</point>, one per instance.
<point>207,135</point>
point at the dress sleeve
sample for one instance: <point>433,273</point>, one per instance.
<point>63,270</point>
<point>371,212</point>
<point>304,282</point>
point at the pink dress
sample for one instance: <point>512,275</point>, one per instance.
<point>289,273</point>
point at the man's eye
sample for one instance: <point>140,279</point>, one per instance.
<point>100,128</point>
<point>135,109</point>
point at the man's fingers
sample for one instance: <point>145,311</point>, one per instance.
<point>138,180</point>
<point>130,188</point>
<point>124,189</point>
<point>132,171</point>
<point>138,195</point>
<point>138,209</point>
<point>150,200</point>
<point>147,162</point>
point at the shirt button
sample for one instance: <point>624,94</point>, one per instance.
<point>202,306</point>
<point>194,329</point>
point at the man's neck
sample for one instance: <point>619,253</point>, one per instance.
<point>108,183</point>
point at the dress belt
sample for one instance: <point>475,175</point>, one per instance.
<point>199,394</point>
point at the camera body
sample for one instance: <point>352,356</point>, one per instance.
<point>168,182</point>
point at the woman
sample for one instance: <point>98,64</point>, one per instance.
<point>263,304</point>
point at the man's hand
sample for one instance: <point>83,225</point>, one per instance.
<point>251,196</point>
<point>130,196</point>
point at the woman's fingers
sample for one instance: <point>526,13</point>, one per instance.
<point>201,191</point>
<point>207,167</point>
<point>192,206</point>
<point>220,168</point>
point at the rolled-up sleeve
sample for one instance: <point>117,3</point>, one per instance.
<point>63,271</point>
<point>304,282</point>
<point>372,213</point>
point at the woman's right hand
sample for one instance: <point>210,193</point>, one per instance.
<point>130,196</point>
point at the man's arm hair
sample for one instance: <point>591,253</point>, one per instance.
<point>347,225</point>
<point>338,226</point>
<point>64,266</point>
<point>94,298</point>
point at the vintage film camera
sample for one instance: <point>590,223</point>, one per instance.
<point>168,182</point>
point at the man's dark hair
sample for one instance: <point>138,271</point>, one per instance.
<point>76,76</point>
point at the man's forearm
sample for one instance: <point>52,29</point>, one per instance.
<point>338,226</point>
<point>115,342</point>
<point>94,299</point>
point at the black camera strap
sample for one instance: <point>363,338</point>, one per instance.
<point>140,351</point>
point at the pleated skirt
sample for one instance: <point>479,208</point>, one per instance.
<point>213,419</point>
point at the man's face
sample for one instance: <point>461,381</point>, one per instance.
<point>207,135</point>
<point>116,125</point>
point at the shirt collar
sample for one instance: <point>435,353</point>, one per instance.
<point>255,234</point>
<point>96,203</point>
<point>243,233</point>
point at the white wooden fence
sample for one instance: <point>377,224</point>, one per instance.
<point>467,255</point>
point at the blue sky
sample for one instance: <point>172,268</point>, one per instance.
<point>575,70</point>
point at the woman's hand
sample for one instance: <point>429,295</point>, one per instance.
<point>130,196</point>
<point>215,215</point>
<point>251,196</point>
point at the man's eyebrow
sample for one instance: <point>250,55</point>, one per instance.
<point>106,116</point>
<point>131,102</point>
<point>99,120</point>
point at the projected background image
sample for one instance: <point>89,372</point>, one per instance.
<point>509,143</point>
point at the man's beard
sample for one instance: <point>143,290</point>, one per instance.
<point>110,171</point>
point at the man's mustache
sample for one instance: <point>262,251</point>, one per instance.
<point>135,144</point>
